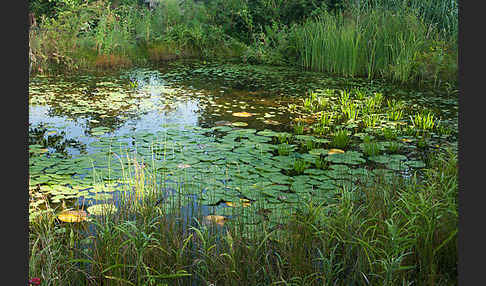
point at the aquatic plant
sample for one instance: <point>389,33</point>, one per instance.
<point>340,139</point>
<point>371,148</point>
<point>350,111</point>
<point>325,119</point>
<point>320,163</point>
<point>395,114</point>
<point>300,165</point>
<point>320,129</point>
<point>371,120</point>
<point>284,137</point>
<point>299,128</point>
<point>424,120</point>
<point>283,149</point>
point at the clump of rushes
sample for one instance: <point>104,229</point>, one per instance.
<point>340,139</point>
<point>344,97</point>
<point>370,148</point>
<point>283,138</point>
<point>395,110</point>
<point>423,120</point>
<point>320,129</point>
<point>300,165</point>
<point>315,102</point>
<point>443,129</point>
<point>308,144</point>
<point>350,111</point>
<point>325,119</point>
<point>371,120</point>
<point>321,163</point>
<point>299,128</point>
<point>360,95</point>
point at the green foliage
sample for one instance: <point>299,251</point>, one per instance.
<point>340,139</point>
<point>424,120</point>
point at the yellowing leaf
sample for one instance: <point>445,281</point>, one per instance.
<point>239,124</point>
<point>73,216</point>
<point>335,151</point>
<point>242,114</point>
<point>217,219</point>
<point>243,202</point>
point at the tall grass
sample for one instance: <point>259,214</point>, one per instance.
<point>376,43</point>
<point>385,231</point>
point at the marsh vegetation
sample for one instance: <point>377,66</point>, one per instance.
<point>243,143</point>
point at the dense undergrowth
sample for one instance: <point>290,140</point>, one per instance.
<point>404,41</point>
<point>395,231</point>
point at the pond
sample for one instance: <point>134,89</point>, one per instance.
<point>253,137</point>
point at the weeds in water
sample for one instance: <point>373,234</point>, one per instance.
<point>308,144</point>
<point>382,228</point>
<point>424,121</point>
<point>371,148</point>
<point>284,138</point>
<point>320,129</point>
<point>350,111</point>
<point>395,115</point>
<point>300,165</point>
<point>320,163</point>
<point>325,119</point>
<point>371,120</point>
<point>299,128</point>
<point>340,139</point>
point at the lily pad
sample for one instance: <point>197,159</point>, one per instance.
<point>73,216</point>
<point>335,151</point>
<point>243,114</point>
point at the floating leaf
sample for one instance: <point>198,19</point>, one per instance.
<point>217,219</point>
<point>239,124</point>
<point>335,151</point>
<point>243,114</point>
<point>73,216</point>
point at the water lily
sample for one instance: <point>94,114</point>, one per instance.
<point>35,281</point>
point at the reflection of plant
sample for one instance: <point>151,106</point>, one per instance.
<point>340,139</point>
<point>393,147</point>
<point>283,149</point>
<point>389,134</point>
